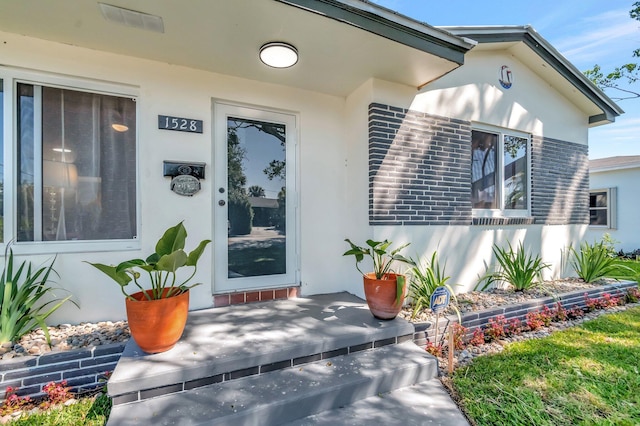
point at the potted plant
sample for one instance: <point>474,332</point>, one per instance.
<point>157,315</point>
<point>384,289</point>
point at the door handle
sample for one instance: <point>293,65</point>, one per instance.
<point>221,203</point>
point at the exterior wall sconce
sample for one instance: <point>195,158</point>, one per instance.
<point>278,54</point>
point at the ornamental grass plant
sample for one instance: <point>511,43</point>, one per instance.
<point>594,261</point>
<point>518,268</point>
<point>425,277</point>
<point>26,299</point>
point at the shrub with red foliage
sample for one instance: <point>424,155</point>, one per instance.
<point>13,402</point>
<point>496,328</point>
<point>57,393</point>
<point>478,337</point>
<point>633,295</point>
<point>546,316</point>
<point>458,331</point>
<point>534,321</point>
<point>575,312</point>
<point>513,327</point>
<point>590,303</point>
<point>560,313</point>
<point>434,349</point>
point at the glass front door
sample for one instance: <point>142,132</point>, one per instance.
<point>254,211</point>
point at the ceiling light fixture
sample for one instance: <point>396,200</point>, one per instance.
<point>278,54</point>
<point>119,127</point>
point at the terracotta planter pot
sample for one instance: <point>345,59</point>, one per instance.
<point>381,296</point>
<point>157,325</point>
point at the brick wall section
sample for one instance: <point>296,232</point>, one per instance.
<point>420,173</point>
<point>258,295</point>
<point>83,369</point>
<point>559,182</point>
<point>480,319</point>
<point>419,168</point>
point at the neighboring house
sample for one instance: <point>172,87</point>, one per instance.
<point>264,210</point>
<point>452,139</point>
<point>613,201</point>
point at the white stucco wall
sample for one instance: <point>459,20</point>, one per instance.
<point>179,91</point>
<point>473,93</point>
<point>627,232</point>
<point>332,164</point>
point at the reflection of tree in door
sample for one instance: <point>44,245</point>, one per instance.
<point>256,202</point>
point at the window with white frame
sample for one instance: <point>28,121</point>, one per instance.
<point>74,171</point>
<point>602,207</point>
<point>500,172</point>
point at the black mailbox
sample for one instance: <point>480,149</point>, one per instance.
<point>177,168</point>
<point>185,177</point>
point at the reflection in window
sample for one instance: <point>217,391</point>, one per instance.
<point>77,165</point>
<point>256,166</point>
<point>499,171</point>
<point>483,169</point>
<point>515,172</point>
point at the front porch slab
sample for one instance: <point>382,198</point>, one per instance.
<point>222,344</point>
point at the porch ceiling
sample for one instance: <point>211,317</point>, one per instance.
<point>224,37</point>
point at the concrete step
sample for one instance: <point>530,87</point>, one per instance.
<point>228,343</point>
<point>283,396</point>
<point>426,403</point>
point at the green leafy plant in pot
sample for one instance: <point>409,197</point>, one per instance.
<point>384,289</point>
<point>157,315</point>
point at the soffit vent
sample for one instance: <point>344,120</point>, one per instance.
<point>132,18</point>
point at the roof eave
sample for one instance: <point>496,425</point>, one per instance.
<point>526,34</point>
<point>391,25</point>
<point>614,168</point>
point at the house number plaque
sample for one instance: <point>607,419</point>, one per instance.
<point>185,177</point>
<point>179,124</point>
<point>185,185</point>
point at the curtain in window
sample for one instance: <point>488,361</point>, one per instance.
<point>88,166</point>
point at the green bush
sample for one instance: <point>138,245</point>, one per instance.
<point>523,271</point>
<point>23,305</point>
<point>593,262</point>
<point>240,214</point>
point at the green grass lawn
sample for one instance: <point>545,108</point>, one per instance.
<point>585,375</point>
<point>633,264</point>
<point>92,411</point>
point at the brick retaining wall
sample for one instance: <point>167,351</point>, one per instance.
<point>472,320</point>
<point>81,368</point>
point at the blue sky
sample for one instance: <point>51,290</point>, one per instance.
<point>586,32</point>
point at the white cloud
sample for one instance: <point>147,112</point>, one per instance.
<point>602,38</point>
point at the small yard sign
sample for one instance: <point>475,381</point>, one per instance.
<point>439,302</point>
<point>440,299</point>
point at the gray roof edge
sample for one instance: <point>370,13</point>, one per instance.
<point>528,35</point>
<point>389,24</point>
<point>621,162</point>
